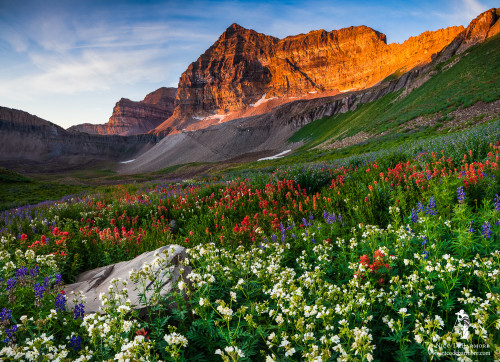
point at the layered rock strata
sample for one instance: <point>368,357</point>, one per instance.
<point>243,67</point>
<point>132,118</point>
<point>38,145</point>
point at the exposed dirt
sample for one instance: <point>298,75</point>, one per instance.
<point>477,114</point>
<point>460,119</point>
<point>345,142</point>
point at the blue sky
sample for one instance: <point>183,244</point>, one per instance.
<point>70,61</point>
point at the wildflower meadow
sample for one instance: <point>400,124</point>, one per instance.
<point>390,258</point>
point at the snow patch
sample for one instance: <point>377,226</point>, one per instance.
<point>346,90</point>
<point>262,100</point>
<point>128,161</point>
<point>220,117</point>
<point>313,92</point>
<point>275,157</point>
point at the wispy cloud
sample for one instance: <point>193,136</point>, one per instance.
<point>472,8</point>
<point>89,71</point>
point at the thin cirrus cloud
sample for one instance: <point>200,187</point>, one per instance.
<point>92,71</point>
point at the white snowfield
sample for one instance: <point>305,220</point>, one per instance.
<point>128,161</point>
<point>275,157</point>
<point>220,117</point>
<point>262,100</point>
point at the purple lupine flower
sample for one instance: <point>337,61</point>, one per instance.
<point>486,230</point>
<point>35,271</point>
<point>11,283</point>
<point>57,279</point>
<point>431,207</point>
<point>46,282</point>
<point>21,272</point>
<point>414,216</point>
<point>283,233</point>
<point>497,203</point>
<point>5,315</point>
<point>329,218</point>
<point>79,311</point>
<point>461,195</point>
<point>420,207</point>
<point>424,240</point>
<point>273,237</point>
<point>426,253</point>
<point>39,290</point>
<point>60,302</point>
<point>10,333</point>
<point>75,342</point>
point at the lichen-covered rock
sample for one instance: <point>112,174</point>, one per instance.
<point>164,266</point>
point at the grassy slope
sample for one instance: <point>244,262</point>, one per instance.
<point>17,190</point>
<point>474,78</point>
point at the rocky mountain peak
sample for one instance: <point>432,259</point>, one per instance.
<point>244,67</point>
<point>131,117</point>
<point>483,26</point>
<point>233,28</point>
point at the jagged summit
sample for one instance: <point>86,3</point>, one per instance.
<point>244,66</point>
<point>235,27</point>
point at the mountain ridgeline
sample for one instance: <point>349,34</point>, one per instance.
<point>247,95</point>
<point>243,66</point>
<point>131,118</point>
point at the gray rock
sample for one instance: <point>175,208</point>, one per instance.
<point>164,274</point>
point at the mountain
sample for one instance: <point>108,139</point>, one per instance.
<point>30,143</point>
<point>407,95</point>
<point>244,68</point>
<point>132,118</point>
<point>244,99</point>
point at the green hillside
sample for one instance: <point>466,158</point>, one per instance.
<point>473,78</point>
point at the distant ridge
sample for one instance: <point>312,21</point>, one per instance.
<point>132,118</point>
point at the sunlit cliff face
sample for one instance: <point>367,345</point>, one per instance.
<point>242,66</point>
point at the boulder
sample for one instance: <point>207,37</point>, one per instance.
<point>164,266</point>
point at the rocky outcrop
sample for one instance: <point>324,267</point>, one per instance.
<point>346,59</point>
<point>163,265</point>
<point>242,66</point>
<point>484,26</point>
<point>38,145</point>
<point>132,118</point>
<point>481,28</point>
